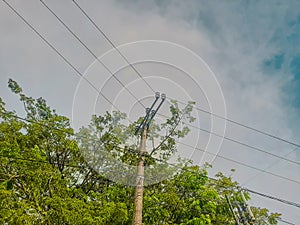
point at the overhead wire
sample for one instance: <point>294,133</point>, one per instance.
<point>90,51</point>
<point>197,108</point>
<point>247,126</point>
<point>241,143</point>
<point>246,189</point>
<point>247,145</point>
<point>238,162</point>
<point>269,166</point>
<point>59,53</point>
<point>38,123</point>
<point>38,161</point>
<point>112,44</point>
<point>286,222</point>
<point>272,197</point>
<point>132,66</point>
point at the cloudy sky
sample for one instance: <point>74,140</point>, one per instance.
<point>249,48</point>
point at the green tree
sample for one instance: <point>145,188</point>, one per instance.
<point>50,175</point>
<point>44,178</point>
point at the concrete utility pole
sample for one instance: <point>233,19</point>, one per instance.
<point>244,214</point>
<point>139,189</point>
<point>232,211</point>
<point>143,128</point>
<point>251,218</point>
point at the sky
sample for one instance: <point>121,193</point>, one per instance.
<point>238,59</point>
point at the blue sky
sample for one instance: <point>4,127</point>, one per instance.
<point>251,46</point>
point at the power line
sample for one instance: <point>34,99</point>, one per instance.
<point>273,198</point>
<point>260,131</point>
<point>252,147</point>
<point>60,54</point>
<point>269,166</point>
<point>89,50</point>
<point>244,188</point>
<point>246,126</point>
<point>242,143</point>
<point>38,123</point>
<point>112,44</point>
<point>238,162</point>
<point>284,221</point>
<point>247,189</point>
<point>81,75</point>
<point>38,161</point>
<point>197,108</point>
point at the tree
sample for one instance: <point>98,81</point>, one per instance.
<point>44,179</point>
<point>50,175</point>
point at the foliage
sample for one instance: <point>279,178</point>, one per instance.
<point>45,178</point>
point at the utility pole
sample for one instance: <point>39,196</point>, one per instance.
<point>142,129</point>
<point>139,189</point>
<point>242,214</point>
<point>250,217</point>
<point>232,211</point>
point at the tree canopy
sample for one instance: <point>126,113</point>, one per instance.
<point>51,175</point>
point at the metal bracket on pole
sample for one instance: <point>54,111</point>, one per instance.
<point>148,110</point>
<point>153,113</point>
